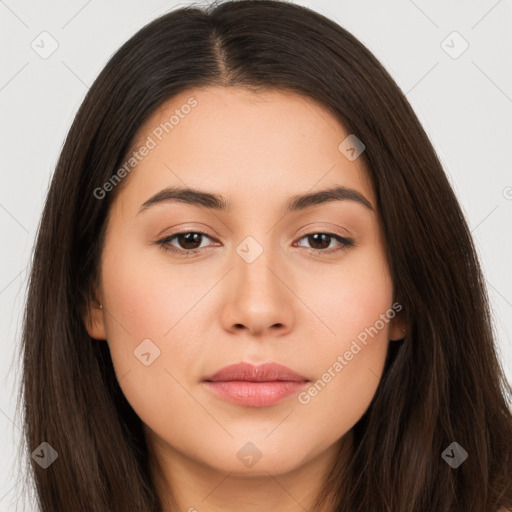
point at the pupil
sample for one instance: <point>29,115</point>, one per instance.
<point>316,236</point>
<point>188,237</point>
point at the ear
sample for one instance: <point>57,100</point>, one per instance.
<point>398,327</point>
<point>94,319</point>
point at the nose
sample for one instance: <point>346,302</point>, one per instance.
<point>258,297</point>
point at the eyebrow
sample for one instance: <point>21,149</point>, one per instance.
<point>219,202</point>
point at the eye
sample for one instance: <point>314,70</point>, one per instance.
<point>189,242</point>
<point>322,241</point>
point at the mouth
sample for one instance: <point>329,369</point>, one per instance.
<point>255,386</point>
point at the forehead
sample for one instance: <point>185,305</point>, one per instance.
<point>229,139</point>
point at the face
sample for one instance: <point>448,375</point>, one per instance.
<point>189,286</point>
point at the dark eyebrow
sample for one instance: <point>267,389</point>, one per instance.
<point>218,202</point>
<point>338,193</point>
<point>189,196</point>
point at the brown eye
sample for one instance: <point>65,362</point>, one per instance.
<point>320,242</point>
<point>188,242</point>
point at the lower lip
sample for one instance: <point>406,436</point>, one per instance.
<point>254,394</point>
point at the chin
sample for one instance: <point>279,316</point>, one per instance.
<point>248,458</point>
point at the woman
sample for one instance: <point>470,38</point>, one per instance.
<point>253,287</point>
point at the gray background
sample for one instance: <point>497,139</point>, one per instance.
<point>464,103</point>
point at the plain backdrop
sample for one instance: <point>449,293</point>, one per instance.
<point>462,96</point>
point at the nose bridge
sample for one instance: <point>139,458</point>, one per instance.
<point>258,298</point>
<point>255,266</point>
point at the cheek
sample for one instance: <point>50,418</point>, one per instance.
<point>148,314</point>
<point>351,298</point>
<point>356,307</point>
<point>337,400</point>
<point>148,297</point>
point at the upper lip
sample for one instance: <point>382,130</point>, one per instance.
<point>263,373</point>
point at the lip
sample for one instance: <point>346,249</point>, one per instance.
<point>255,386</point>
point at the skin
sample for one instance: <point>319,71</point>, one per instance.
<point>214,308</point>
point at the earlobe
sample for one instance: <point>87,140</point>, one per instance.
<point>94,319</point>
<point>397,329</point>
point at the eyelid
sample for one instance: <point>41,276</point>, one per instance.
<point>187,228</point>
<point>307,230</point>
<point>313,227</point>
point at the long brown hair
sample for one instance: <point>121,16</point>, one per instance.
<point>442,384</point>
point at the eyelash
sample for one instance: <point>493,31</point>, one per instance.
<point>345,243</point>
